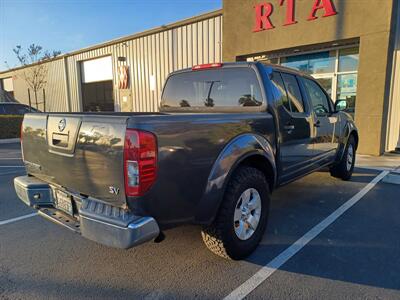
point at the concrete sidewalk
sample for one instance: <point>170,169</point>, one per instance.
<point>388,161</point>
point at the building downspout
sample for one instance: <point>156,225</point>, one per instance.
<point>67,90</point>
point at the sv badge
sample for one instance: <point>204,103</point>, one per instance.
<point>113,190</point>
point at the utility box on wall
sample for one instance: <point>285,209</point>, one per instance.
<point>126,100</point>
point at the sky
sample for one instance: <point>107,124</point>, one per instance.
<point>68,25</point>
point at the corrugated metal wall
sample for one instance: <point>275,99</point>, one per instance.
<point>55,88</point>
<point>151,56</point>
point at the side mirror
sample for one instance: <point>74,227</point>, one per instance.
<point>341,105</point>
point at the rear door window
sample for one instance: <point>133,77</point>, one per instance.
<point>281,90</point>
<point>229,87</point>
<point>296,104</point>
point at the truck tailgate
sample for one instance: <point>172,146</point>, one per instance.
<point>82,153</point>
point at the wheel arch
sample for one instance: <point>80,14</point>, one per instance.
<point>354,133</point>
<point>349,129</point>
<point>248,149</point>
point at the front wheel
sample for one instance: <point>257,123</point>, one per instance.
<point>242,217</point>
<point>344,169</point>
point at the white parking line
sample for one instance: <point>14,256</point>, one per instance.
<point>375,168</point>
<point>12,166</point>
<point>10,158</point>
<point>17,219</point>
<point>11,172</point>
<point>266,271</point>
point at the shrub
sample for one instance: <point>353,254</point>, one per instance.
<point>10,126</point>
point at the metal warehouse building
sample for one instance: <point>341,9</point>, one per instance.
<point>126,74</point>
<point>351,47</point>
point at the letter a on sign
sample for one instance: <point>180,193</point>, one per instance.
<point>263,12</point>
<point>327,5</point>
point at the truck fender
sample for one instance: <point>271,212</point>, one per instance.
<point>348,129</point>
<point>238,149</point>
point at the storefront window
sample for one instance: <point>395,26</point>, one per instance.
<point>273,60</point>
<point>346,90</point>
<point>348,60</point>
<point>314,63</point>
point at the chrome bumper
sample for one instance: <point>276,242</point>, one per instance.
<point>97,221</point>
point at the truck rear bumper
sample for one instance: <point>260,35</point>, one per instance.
<point>97,221</point>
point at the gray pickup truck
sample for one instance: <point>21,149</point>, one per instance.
<point>226,136</point>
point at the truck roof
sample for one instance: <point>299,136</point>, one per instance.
<point>247,64</point>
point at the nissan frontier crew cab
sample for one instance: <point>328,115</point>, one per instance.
<point>226,136</point>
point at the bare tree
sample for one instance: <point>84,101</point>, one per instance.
<point>36,75</point>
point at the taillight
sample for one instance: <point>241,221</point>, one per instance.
<point>140,161</point>
<point>206,66</point>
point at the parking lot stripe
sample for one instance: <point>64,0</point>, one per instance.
<point>11,172</point>
<point>17,219</point>
<point>12,166</point>
<point>267,270</point>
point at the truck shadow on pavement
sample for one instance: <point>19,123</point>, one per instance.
<point>360,247</point>
<point>40,259</point>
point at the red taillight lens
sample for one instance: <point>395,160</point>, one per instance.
<point>140,161</point>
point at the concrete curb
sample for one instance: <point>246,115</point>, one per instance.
<point>10,141</point>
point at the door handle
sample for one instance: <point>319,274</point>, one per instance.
<point>289,127</point>
<point>317,124</point>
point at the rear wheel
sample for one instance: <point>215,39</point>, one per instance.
<point>344,169</point>
<point>242,218</point>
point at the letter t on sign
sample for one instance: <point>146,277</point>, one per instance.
<point>289,20</point>
<point>263,12</point>
<point>327,5</point>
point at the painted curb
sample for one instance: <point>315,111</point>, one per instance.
<point>9,141</point>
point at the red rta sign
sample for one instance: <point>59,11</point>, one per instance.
<point>264,11</point>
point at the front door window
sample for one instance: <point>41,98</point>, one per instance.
<point>326,82</point>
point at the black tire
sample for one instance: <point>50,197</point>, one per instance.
<point>220,236</point>
<point>342,170</point>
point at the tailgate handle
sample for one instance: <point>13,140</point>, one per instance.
<point>60,140</point>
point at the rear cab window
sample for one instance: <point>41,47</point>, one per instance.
<point>218,88</point>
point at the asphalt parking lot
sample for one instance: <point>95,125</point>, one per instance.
<point>355,255</point>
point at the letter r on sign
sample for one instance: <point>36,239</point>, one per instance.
<point>263,12</point>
